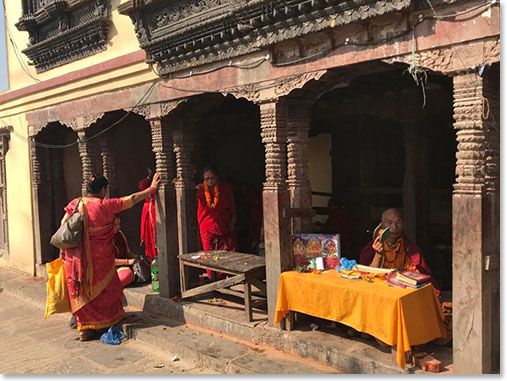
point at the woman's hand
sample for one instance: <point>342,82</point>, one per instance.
<point>155,181</point>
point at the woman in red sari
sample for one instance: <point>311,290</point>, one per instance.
<point>216,213</point>
<point>95,290</point>
<point>148,219</point>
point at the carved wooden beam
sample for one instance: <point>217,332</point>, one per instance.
<point>457,59</point>
<point>201,32</point>
<point>271,91</point>
<point>158,110</point>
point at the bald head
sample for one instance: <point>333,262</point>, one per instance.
<point>392,212</point>
<point>392,219</point>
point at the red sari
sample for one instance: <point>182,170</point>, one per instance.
<point>215,223</point>
<point>148,221</point>
<point>95,290</point>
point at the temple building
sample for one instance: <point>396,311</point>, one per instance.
<point>369,103</point>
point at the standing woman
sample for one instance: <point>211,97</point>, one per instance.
<point>216,213</point>
<point>148,218</point>
<point>95,291</point>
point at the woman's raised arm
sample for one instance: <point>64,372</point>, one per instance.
<point>139,196</point>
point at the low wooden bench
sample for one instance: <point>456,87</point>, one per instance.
<point>246,269</point>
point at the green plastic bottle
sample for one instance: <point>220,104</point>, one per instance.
<point>155,286</point>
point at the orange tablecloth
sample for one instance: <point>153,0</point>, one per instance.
<point>394,315</point>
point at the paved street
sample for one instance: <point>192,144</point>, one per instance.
<point>31,345</point>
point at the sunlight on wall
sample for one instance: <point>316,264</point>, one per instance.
<point>4,85</point>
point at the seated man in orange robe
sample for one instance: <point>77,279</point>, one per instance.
<point>397,252</point>
<point>216,213</point>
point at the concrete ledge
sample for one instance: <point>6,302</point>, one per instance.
<point>214,351</point>
<point>351,356</point>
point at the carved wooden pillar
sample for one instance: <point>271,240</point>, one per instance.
<point>167,228</point>
<point>109,164</point>
<point>415,184</point>
<point>185,188</point>
<point>88,154</point>
<point>276,198</point>
<point>42,205</point>
<point>298,126</point>
<point>476,222</point>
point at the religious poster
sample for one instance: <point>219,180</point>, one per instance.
<point>307,247</point>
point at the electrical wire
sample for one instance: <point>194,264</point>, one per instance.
<point>104,130</point>
<point>388,39</point>
<point>489,3</point>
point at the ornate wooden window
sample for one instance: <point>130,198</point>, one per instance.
<point>61,31</point>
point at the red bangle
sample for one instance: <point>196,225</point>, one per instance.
<point>152,189</point>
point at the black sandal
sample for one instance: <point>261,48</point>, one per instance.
<point>73,322</point>
<point>88,334</point>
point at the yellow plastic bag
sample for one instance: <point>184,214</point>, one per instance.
<point>58,296</point>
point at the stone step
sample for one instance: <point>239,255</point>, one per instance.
<point>351,356</point>
<point>215,351</point>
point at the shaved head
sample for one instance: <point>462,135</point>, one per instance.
<point>392,212</point>
<point>392,219</point>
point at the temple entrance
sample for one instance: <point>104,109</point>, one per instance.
<point>227,133</point>
<point>56,165</point>
<point>383,149</point>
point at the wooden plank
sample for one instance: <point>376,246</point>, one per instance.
<point>298,212</point>
<point>213,286</point>
<point>210,267</point>
<point>259,284</point>
<point>260,304</point>
<point>248,301</point>
<point>240,294</point>
<point>183,277</point>
<point>228,260</point>
<point>290,321</point>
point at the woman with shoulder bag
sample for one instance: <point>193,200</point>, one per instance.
<point>95,290</point>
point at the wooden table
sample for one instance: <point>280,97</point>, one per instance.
<point>398,317</point>
<point>246,269</point>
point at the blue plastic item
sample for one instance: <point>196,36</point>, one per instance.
<point>113,336</point>
<point>347,264</point>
